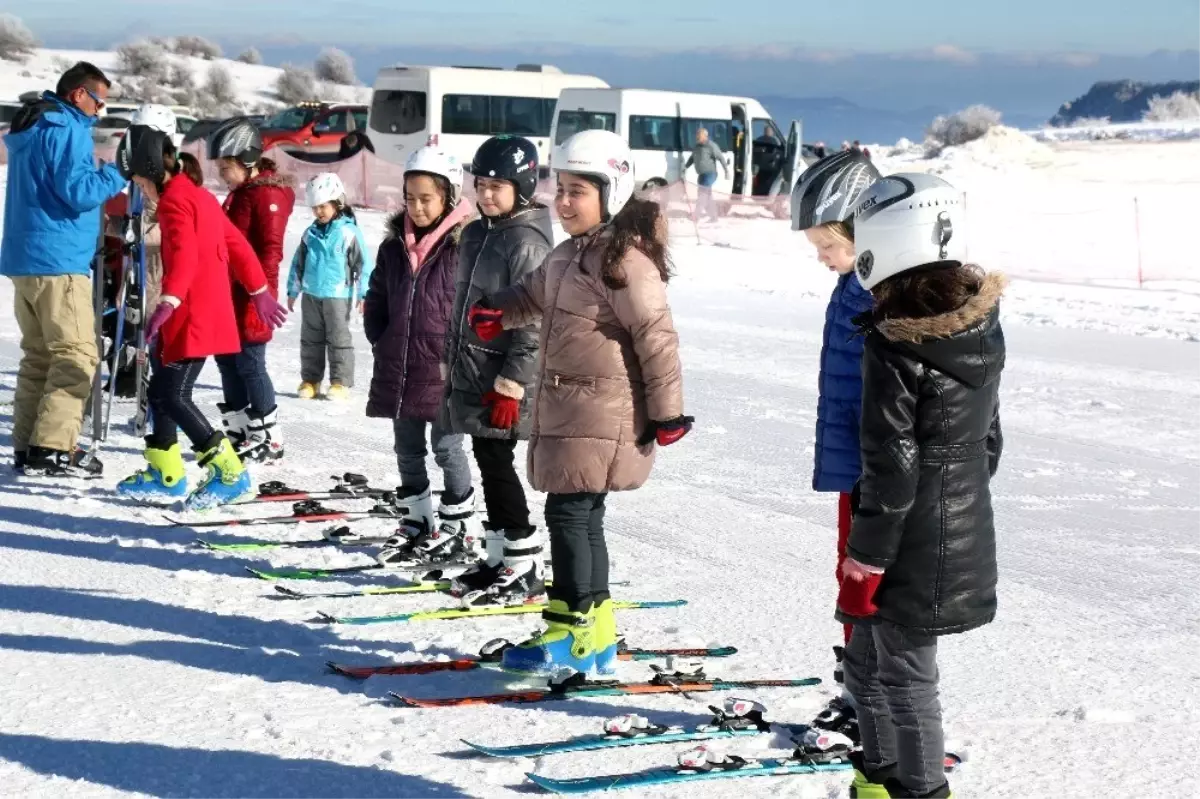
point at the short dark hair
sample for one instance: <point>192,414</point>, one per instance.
<point>82,75</point>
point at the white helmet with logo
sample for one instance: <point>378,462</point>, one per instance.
<point>324,188</point>
<point>603,155</point>
<point>432,160</point>
<point>906,221</point>
<point>155,116</point>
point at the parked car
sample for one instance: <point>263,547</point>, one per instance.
<point>313,127</point>
<point>111,128</point>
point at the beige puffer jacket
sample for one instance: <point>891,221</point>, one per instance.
<point>609,366</point>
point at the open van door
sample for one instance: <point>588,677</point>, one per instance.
<point>793,166</point>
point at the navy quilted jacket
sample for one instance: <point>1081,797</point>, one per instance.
<point>839,404</point>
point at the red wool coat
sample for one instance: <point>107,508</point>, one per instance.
<point>260,209</point>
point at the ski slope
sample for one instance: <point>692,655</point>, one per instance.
<point>138,665</point>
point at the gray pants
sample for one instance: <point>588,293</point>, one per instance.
<point>448,452</point>
<point>892,673</point>
<point>325,325</point>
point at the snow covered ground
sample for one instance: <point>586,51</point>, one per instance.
<point>137,665</point>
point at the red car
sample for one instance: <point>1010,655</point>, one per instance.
<point>313,127</point>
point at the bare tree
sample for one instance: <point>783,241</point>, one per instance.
<point>183,81</point>
<point>295,84</point>
<point>220,92</point>
<point>335,66</point>
<point>1180,106</point>
<point>197,46</point>
<point>17,42</point>
<point>959,128</point>
<point>250,56</point>
<point>142,58</point>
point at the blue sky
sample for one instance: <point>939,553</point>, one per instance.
<point>1109,26</point>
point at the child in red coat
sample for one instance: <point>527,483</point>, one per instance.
<point>259,204</point>
<point>194,318</point>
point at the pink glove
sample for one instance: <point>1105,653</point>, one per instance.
<point>162,312</point>
<point>269,309</point>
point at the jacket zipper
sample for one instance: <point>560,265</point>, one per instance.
<point>547,324</point>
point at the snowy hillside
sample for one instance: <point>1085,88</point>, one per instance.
<point>255,84</point>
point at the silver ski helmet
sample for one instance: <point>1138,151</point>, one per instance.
<point>829,190</point>
<point>236,138</point>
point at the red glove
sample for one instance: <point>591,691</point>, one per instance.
<point>506,411</point>
<point>162,312</point>
<point>857,597</point>
<point>668,432</point>
<point>485,321</point>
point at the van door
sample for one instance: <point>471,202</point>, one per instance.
<point>793,161</point>
<point>741,148</point>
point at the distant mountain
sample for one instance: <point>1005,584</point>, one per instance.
<point>834,120</point>
<point>1119,100</point>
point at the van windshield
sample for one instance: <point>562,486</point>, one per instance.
<point>572,122</point>
<point>397,112</point>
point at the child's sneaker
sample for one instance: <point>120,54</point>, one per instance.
<point>164,479</point>
<point>308,390</point>
<point>337,392</point>
<point>227,480</point>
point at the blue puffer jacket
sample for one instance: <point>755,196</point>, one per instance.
<point>327,257</point>
<point>52,203</point>
<point>839,404</point>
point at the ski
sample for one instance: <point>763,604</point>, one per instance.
<point>495,649</point>
<point>346,486</point>
<point>489,610</point>
<point>305,511</point>
<point>704,763</point>
<point>338,536</point>
<point>141,418</point>
<point>415,588</point>
<point>662,683</point>
<point>324,574</point>
<point>739,718</point>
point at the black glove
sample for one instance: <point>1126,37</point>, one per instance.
<point>667,432</point>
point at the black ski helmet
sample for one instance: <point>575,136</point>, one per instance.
<point>146,146</point>
<point>829,189</point>
<point>510,158</point>
<point>236,138</point>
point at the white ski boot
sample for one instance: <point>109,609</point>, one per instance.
<point>416,521</point>
<point>456,537</point>
<point>522,573</point>
<point>236,424</point>
<point>264,438</point>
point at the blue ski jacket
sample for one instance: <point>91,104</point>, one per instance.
<point>331,262</point>
<point>54,193</point>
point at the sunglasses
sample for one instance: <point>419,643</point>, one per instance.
<point>99,103</point>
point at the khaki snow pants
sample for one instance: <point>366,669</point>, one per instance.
<point>58,339</point>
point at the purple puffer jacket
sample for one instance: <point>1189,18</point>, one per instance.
<point>406,318</point>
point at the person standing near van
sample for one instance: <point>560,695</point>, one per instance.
<point>705,156</point>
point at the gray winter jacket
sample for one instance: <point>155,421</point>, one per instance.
<point>706,157</point>
<point>493,255</point>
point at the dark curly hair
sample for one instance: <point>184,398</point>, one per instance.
<point>929,291</point>
<point>642,225</point>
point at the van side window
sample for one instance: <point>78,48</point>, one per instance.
<point>487,115</point>
<point>398,112</point>
<point>571,122</point>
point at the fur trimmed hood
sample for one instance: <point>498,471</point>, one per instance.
<point>395,227</point>
<point>270,177</point>
<point>948,324</point>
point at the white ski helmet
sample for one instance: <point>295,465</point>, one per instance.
<point>604,155</point>
<point>324,188</point>
<point>156,116</point>
<point>432,160</point>
<point>906,221</point>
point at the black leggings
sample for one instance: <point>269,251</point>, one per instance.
<point>578,552</point>
<point>170,398</point>
<point>503,494</point>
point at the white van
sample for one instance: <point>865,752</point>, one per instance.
<point>461,107</point>
<point>661,126</point>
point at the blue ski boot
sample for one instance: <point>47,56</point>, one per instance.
<point>568,642</point>
<point>607,639</point>
<point>227,480</point>
<point>163,481</point>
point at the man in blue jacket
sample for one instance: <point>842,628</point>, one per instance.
<point>51,227</point>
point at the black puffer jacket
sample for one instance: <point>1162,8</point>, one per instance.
<point>493,255</point>
<point>930,443</point>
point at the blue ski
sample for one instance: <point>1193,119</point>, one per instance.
<point>587,743</point>
<point>769,767</point>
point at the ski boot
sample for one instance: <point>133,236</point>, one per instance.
<point>816,745</point>
<point>264,438</point>
<point>521,575</point>
<point>839,716</point>
<point>18,461</point>
<point>567,643</point>
<point>309,390</point>
<point>45,462</point>
<point>895,789</point>
<point>337,392</point>
<point>482,574</point>
<point>869,783</point>
<point>163,480</point>
<point>236,424</point>
<point>607,640</point>
<point>416,524</point>
<point>227,480</point>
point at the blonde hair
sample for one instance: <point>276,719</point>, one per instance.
<point>840,231</point>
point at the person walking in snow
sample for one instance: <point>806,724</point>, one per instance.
<point>490,385</point>
<point>52,214</point>
<point>331,269</point>
<point>610,385</point>
<point>823,203</point>
<point>406,317</point>
<point>705,156</point>
<point>931,442</point>
<point>193,319</point>
<point>259,204</point>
